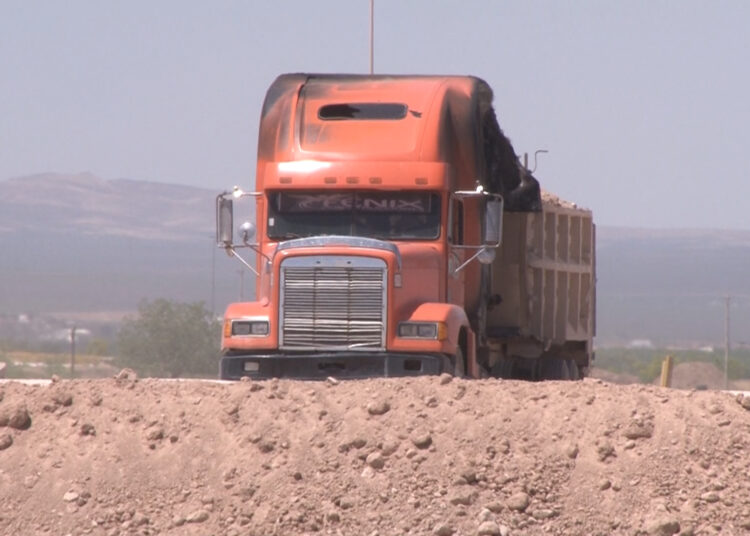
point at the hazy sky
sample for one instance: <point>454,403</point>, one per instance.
<point>643,105</point>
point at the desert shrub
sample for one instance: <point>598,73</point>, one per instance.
<point>169,339</point>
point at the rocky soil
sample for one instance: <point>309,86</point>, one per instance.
<point>433,456</point>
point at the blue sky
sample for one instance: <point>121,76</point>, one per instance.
<point>643,105</point>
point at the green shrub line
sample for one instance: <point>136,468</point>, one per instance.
<point>180,340</point>
<point>645,364</point>
<point>163,339</point>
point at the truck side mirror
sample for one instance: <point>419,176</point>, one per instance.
<point>493,222</point>
<point>224,222</point>
<point>247,232</point>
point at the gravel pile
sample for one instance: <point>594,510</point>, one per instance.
<point>434,456</point>
<point>548,198</point>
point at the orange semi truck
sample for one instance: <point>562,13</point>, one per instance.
<point>397,234</point>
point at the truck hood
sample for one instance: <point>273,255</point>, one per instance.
<point>347,241</point>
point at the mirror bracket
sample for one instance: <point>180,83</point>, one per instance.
<point>492,230</point>
<point>225,226</point>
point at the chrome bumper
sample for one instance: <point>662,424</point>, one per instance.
<point>336,364</point>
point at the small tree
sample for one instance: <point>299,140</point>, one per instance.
<point>169,339</point>
<point>98,346</point>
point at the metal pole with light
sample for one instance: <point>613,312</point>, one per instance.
<point>372,36</point>
<point>726,341</point>
<point>73,351</point>
<point>213,282</point>
<point>241,273</point>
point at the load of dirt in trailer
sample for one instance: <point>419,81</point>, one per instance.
<point>430,455</point>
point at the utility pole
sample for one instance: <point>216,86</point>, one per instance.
<point>213,281</point>
<point>242,284</point>
<point>372,36</point>
<point>727,299</point>
<point>73,351</point>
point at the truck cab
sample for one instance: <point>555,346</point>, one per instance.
<point>378,210</point>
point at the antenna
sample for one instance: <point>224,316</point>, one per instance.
<point>535,155</point>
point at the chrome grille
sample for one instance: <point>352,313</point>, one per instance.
<point>333,303</point>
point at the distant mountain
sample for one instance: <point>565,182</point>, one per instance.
<point>668,286</point>
<point>79,243</point>
<point>674,262</point>
<point>86,204</point>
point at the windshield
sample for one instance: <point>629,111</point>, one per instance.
<point>382,215</point>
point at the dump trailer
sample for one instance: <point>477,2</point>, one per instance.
<point>396,233</point>
<point>540,318</point>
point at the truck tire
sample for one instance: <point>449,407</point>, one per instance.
<point>564,370</point>
<point>503,368</point>
<point>574,372</point>
<point>459,363</point>
<point>553,368</point>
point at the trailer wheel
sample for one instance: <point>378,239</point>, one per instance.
<point>554,369</point>
<point>574,372</point>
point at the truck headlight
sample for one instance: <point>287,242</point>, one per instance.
<point>422,330</point>
<point>250,328</point>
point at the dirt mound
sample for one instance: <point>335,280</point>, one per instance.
<point>377,457</point>
<point>613,377</point>
<point>697,375</point>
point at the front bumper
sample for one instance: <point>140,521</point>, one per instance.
<point>336,364</point>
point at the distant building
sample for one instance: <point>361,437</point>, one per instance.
<point>641,344</point>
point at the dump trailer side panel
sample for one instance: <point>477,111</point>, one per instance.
<point>543,279</point>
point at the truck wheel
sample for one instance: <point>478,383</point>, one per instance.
<point>554,369</point>
<point>564,373</point>
<point>503,368</point>
<point>573,372</point>
<point>459,363</point>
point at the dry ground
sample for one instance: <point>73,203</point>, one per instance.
<point>432,455</point>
